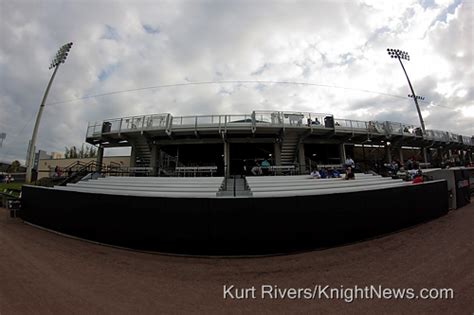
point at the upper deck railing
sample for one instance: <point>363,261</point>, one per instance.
<point>264,119</point>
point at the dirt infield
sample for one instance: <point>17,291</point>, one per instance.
<point>41,272</point>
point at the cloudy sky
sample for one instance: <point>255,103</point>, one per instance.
<point>338,46</point>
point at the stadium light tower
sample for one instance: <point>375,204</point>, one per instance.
<point>60,57</point>
<point>399,54</point>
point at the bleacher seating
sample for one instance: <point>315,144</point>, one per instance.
<point>150,186</point>
<point>282,186</point>
<point>208,187</point>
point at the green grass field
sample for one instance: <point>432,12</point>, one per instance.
<point>10,185</point>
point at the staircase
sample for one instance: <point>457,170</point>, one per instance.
<point>168,164</point>
<point>235,186</point>
<point>78,171</point>
<point>142,152</point>
<point>288,148</point>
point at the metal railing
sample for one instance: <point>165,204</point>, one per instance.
<point>467,140</point>
<point>437,135</point>
<point>395,128</point>
<point>261,119</point>
<point>293,119</point>
<point>351,124</point>
<point>127,124</point>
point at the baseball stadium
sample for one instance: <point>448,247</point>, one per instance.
<point>241,184</point>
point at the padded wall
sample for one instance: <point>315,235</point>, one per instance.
<point>233,225</point>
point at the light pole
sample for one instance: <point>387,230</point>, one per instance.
<point>2,137</point>
<point>399,54</point>
<point>60,57</point>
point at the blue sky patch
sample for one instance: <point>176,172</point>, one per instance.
<point>111,33</point>
<point>107,71</point>
<point>150,29</point>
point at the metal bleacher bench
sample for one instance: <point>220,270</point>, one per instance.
<point>195,170</point>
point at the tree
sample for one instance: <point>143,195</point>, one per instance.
<point>86,151</point>
<point>82,152</point>
<point>14,167</point>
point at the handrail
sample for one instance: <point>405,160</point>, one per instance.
<point>261,118</point>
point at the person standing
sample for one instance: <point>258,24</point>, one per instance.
<point>349,162</point>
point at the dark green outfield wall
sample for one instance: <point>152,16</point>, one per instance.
<point>235,225</point>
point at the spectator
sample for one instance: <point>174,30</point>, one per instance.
<point>265,166</point>
<point>334,173</point>
<point>349,173</point>
<point>315,174</point>
<point>415,163</point>
<point>394,168</point>
<point>349,162</point>
<point>418,177</point>
<point>324,173</point>
<point>256,170</point>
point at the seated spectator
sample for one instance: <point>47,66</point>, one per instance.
<point>349,173</point>
<point>335,173</point>
<point>418,177</point>
<point>324,173</point>
<point>265,166</point>
<point>315,174</point>
<point>409,164</point>
<point>256,170</point>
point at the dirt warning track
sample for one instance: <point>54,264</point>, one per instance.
<point>41,272</point>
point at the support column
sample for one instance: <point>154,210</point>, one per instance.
<point>440,155</point>
<point>425,155</point>
<point>342,153</point>
<point>277,153</point>
<point>301,159</point>
<point>133,157</point>
<point>100,158</point>
<point>388,153</point>
<point>226,159</point>
<point>155,151</point>
<point>400,153</point>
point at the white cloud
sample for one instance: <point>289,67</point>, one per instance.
<point>134,44</point>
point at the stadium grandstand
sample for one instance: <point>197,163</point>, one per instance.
<point>292,142</point>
